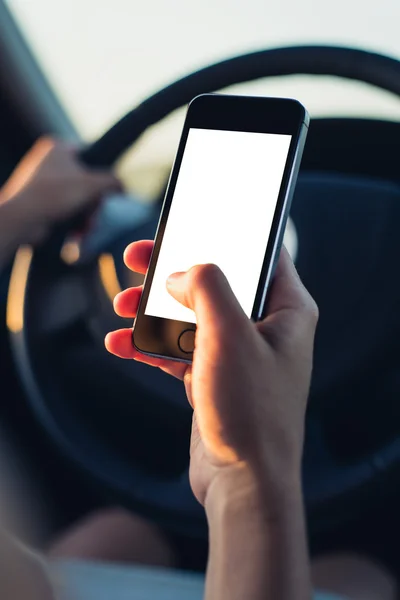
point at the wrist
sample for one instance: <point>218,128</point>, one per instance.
<point>22,219</point>
<point>13,221</point>
<point>258,543</point>
<point>241,490</point>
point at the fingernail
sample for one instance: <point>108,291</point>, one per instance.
<point>174,278</point>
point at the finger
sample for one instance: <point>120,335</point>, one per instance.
<point>287,289</point>
<point>291,309</point>
<point>120,344</point>
<point>137,256</point>
<point>45,144</point>
<point>64,146</point>
<point>102,182</point>
<point>176,369</point>
<point>206,290</point>
<point>126,303</point>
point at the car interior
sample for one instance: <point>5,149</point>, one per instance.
<point>64,407</point>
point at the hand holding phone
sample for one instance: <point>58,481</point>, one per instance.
<point>249,381</point>
<point>227,203</point>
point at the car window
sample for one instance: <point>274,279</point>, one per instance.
<point>103,57</point>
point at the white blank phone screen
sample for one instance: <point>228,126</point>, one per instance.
<point>221,213</point>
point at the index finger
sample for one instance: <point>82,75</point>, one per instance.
<point>287,290</point>
<point>119,343</point>
<point>137,255</point>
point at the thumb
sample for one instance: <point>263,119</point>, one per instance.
<point>205,290</point>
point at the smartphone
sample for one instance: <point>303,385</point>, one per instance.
<point>227,203</point>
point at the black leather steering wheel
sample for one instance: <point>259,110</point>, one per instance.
<point>64,308</point>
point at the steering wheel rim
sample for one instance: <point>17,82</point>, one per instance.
<point>375,69</point>
<point>372,68</point>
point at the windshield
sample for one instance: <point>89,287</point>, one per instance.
<point>103,57</point>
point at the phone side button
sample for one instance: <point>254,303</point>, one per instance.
<point>186,341</point>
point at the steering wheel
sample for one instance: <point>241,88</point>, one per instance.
<point>105,413</point>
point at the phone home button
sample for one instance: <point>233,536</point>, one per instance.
<point>186,341</point>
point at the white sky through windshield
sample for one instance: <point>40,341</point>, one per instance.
<point>104,56</point>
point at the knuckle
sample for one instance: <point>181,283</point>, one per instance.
<point>101,180</point>
<point>46,142</point>
<point>204,275</point>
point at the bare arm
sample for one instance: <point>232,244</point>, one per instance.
<point>47,186</point>
<point>248,385</point>
<point>12,229</point>
<point>257,551</point>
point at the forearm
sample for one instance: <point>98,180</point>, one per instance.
<point>16,226</point>
<point>257,551</point>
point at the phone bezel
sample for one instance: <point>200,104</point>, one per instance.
<point>157,336</point>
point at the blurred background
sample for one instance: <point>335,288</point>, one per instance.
<point>74,68</point>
